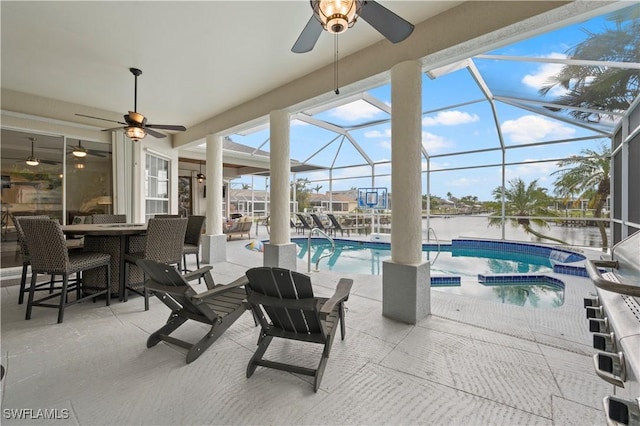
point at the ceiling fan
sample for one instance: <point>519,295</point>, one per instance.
<point>336,16</point>
<point>135,125</point>
<point>80,151</point>
<point>32,160</point>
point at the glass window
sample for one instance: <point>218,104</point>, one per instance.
<point>156,186</point>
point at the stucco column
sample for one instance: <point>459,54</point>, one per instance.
<point>279,251</point>
<point>214,244</point>
<point>406,163</point>
<point>405,278</point>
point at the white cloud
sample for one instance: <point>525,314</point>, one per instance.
<point>542,74</point>
<point>386,144</point>
<point>378,134</point>
<point>434,143</point>
<point>355,111</point>
<point>533,128</point>
<point>450,118</point>
<point>464,182</point>
<point>530,171</point>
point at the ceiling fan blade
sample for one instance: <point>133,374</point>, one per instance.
<point>154,133</point>
<point>51,162</point>
<point>166,127</point>
<point>387,23</point>
<point>308,37</point>
<point>97,153</point>
<point>98,118</point>
<point>113,129</point>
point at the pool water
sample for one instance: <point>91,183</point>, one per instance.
<point>457,268</point>
<point>366,258</point>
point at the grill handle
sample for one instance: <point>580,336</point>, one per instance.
<point>605,284</point>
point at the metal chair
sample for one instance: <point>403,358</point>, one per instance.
<point>109,218</point>
<point>24,253</point>
<point>303,221</point>
<point>49,255</point>
<point>192,239</point>
<point>163,243</point>
<point>318,223</point>
<point>338,227</point>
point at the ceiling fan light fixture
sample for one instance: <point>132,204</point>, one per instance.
<point>79,151</point>
<point>336,16</point>
<point>32,161</point>
<point>135,133</point>
<point>200,176</point>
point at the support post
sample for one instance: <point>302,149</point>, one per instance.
<point>405,279</point>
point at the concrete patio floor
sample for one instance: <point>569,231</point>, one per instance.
<point>471,362</point>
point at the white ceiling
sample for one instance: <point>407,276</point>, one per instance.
<point>204,61</point>
<point>198,58</point>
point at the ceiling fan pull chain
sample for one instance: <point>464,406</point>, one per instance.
<point>335,64</point>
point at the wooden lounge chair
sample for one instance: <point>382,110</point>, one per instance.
<point>220,306</point>
<point>283,303</point>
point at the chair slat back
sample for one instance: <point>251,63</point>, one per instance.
<point>47,247</point>
<point>304,222</point>
<point>168,276</point>
<point>290,285</point>
<point>194,230</point>
<point>165,240</point>
<point>317,221</point>
<point>334,221</point>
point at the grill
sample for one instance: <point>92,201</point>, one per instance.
<point>614,320</point>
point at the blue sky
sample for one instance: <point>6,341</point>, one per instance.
<point>451,129</point>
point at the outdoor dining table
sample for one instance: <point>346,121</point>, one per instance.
<point>114,239</point>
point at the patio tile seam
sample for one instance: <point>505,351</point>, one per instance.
<point>419,379</point>
<point>537,342</point>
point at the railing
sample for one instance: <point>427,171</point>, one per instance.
<point>431,230</point>
<point>333,248</point>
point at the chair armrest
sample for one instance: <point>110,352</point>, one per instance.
<point>219,289</point>
<point>341,294</point>
<point>198,273</point>
<point>161,288</point>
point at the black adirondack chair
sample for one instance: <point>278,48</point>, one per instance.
<point>283,303</point>
<point>220,306</point>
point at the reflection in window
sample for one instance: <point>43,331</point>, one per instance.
<point>89,180</point>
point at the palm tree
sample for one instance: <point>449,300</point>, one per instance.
<point>317,188</point>
<point>524,200</point>
<point>588,176</point>
<point>599,87</point>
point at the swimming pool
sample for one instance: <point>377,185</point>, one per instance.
<point>465,266</point>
